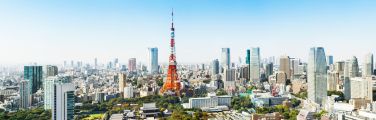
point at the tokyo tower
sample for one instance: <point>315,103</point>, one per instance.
<point>172,84</point>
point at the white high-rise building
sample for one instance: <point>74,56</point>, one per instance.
<point>153,60</point>
<point>317,75</point>
<point>361,88</point>
<point>63,108</point>
<point>128,91</point>
<point>25,97</point>
<point>368,65</point>
<point>255,65</point>
<point>48,86</point>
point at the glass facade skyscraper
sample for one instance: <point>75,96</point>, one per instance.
<point>153,60</point>
<point>248,57</point>
<point>34,75</point>
<point>368,65</point>
<point>225,62</point>
<point>317,75</point>
<point>330,59</point>
<point>215,67</point>
<point>255,65</point>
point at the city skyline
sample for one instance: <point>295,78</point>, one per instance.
<point>43,33</point>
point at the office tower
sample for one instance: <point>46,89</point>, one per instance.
<point>153,60</point>
<point>172,83</point>
<point>339,68</point>
<point>48,86</point>
<point>284,65</point>
<point>354,69</point>
<point>330,59</point>
<point>333,78</point>
<point>51,70</point>
<point>95,63</point>
<point>346,81</point>
<point>25,96</point>
<point>215,67</point>
<point>132,65</point>
<point>248,57</point>
<point>122,81</point>
<point>255,65</point>
<point>361,88</point>
<point>368,65</point>
<point>229,80</point>
<point>295,62</point>
<point>269,70</point>
<point>63,108</point>
<point>128,91</point>
<point>225,62</point>
<point>34,75</point>
<point>244,72</point>
<point>316,75</point>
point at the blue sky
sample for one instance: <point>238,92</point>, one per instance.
<point>50,32</point>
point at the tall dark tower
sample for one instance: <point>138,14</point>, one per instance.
<point>172,84</point>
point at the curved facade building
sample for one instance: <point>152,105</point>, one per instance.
<point>317,75</point>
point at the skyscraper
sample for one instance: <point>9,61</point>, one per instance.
<point>132,65</point>
<point>248,57</point>
<point>63,108</point>
<point>269,70</point>
<point>172,83</point>
<point>25,96</point>
<point>122,82</point>
<point>153,60</point>
<point>49,92</point>
<point>229,80</point>
<point>346,82</point>
<point>330,59</point>
<point>368,65</point>
<point>51,70</point>
<point>255,65</point>
<point>284,66</point>
<point>225,62</point>
<point>317,75</point>
<point>34,75</point>
<point>215,67</point>
<point>354,69</point>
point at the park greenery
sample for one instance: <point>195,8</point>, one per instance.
<point>29,114</point>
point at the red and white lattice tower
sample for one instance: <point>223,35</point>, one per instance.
<point>172,84</point>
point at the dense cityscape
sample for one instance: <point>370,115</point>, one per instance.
<point>254,87</point>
